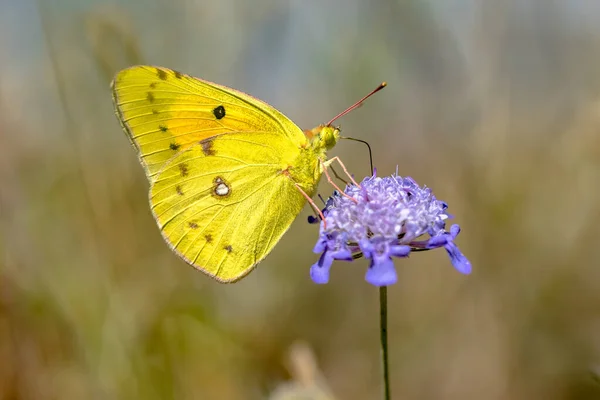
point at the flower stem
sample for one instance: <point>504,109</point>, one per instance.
<point>384,341</point>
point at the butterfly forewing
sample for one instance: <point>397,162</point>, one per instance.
<point>164,112</point>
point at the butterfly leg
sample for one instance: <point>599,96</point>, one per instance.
<point>313,205</point>
<point>332,183</point>
<point>326,164</point>
<point>337,176</point>
<point>336,158</point>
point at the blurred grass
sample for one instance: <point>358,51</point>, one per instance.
<point>500,117</point>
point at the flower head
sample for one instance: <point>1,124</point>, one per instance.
<point>382,219</point>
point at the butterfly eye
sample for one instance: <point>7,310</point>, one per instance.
<point>329,136</point>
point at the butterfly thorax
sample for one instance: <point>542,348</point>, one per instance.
<point>308,166</point>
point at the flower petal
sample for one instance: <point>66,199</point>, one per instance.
<point>382,272</point>
<point>366,247</point>
<point>343,254</point>
<point>400,251</point>
<point>437,241</point>
<point>454,231</point>
<point>319,271</point>
<point>458,260</point>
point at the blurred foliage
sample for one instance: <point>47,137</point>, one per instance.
<point>495,105</point>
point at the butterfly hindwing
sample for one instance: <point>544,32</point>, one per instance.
<point>223,204</point>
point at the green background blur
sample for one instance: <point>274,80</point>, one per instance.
<point>493,104</point>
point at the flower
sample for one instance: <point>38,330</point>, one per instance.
<point>381,219</point>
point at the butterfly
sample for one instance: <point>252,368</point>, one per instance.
<point>228,173</point>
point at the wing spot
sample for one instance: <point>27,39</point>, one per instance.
<point>228,248</point>
<point>221,189</point>
<point>193,225</point>
<point>183,168</point>
<point>153,85</point>
<point>162,75</point>
<point>178,74</point>
<point>155,111</point>
<point>207,147</point>
<point>208,238</point>
<point>178,190</point>
<point>150,97</point>
<point>163,128</point>
<point>219,112</point>
<point>174,146</point>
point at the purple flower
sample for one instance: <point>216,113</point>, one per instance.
<point>382,219</point>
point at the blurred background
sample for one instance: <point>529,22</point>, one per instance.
<point>493,104</point>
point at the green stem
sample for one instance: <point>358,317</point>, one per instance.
<point>384,341</point>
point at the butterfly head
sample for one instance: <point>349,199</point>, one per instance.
<point>323,136</point>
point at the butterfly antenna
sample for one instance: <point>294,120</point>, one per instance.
<point>368,147</point>
<point>358,103</point>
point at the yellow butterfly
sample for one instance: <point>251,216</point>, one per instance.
<point>228,173</point>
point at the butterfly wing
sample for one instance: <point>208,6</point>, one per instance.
<point>164,112</point>
<point>222,205</point>
<point>216,159</point>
